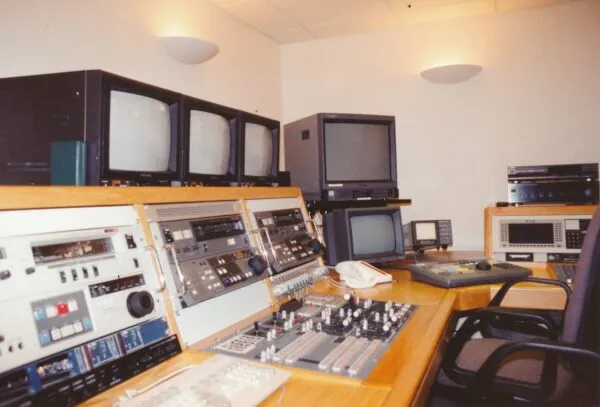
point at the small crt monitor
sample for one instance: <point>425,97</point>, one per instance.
<point>259,150</point>
<point>140,133</point>
<point>426,234</point>
<point>373,235</point>
<point>209,139</point>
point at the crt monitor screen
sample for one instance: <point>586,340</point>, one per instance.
<point>258,150</point>
<point>210,143</point>
<point>139,133</point>
<point>357,152</point>
<point>372,234</point>
<point>425,231</point>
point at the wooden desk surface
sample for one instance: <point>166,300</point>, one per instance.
<point>404,374</point>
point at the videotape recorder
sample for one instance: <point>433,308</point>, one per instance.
<point>82,308</point>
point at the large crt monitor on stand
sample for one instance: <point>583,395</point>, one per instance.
<point>373,235</point>
<point>258,150</point>
<point>210,134</point>
<point>88,128</point>
<point>341,157</point>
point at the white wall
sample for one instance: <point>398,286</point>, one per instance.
<point>537,101</point>
<point>119,36</point>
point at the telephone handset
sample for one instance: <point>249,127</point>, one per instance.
<point>358,274</point>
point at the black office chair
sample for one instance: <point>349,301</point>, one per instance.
<point>559,365</point>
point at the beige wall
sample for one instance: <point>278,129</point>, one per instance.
<point>537,101</point>
<point>40,36</point>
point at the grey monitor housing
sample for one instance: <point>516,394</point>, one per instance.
<point>342,157</point>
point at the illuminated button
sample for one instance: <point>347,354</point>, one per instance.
<point>66,331</point>
<point>78,327</point>
<point>177,235</point>
<point>87,324</point>
<point>45,338</point>
<point>210,287</point>
<point>55,334</point>
<point>39,313</point>
<point>62,309</point>
<point>51,311</point>
<point>187,234</point>
<point>73,306</point>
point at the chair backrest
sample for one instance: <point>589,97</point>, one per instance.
<point>580,319</point>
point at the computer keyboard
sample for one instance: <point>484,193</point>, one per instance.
<point>565,272</point>
<point>219,381</point>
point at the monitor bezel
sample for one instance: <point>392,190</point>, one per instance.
<point>274,126</point>
<point>232,115</point>
<point>173,99</point>
<point>389,121</point>
<point>397,254</point>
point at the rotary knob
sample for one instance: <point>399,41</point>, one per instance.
<point>315,245</point>
<point>258,264</point>
<point>140,303</point>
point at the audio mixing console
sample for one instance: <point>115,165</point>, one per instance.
<point>339,335</point>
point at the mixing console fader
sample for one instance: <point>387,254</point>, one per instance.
<point>338,335</point>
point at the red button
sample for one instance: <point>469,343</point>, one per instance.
<point>62,309</point>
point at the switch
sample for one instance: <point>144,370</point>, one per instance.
<point>87,324</point>
<point>39,314</point>
<point>67,330</point>
<point>51,311</point>
<point>45,338</point>
<point>55,334</point>
<point>74,275</point>
<point>85,272</point>
<point>62,309</point>
<point>136,263</point>
<point>63,277</point>
<point>72,305</point>
<point>130,242</point>
<point>5,274</point>
<point>78,327</point>
<point>95,270</point>
<point>29,270</point>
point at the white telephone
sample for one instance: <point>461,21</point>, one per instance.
<point>358,274</point>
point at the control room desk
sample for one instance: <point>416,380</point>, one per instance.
<point>405,373</point>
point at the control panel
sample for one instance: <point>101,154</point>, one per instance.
<point>68,278</point>
<point>208,258</point>
<point>284,232</point>
<point>553,238</point>
<point>344,336</point>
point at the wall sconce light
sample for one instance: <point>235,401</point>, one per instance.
<point>189,50</point>
<point>451,74</point>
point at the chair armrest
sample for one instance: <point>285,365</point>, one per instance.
<point>497,300</point>
<point>518,315</point>
<point>483,379</point>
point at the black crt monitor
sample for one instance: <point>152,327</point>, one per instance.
<point>140,133</point>
<point>373,235</point>
<point>210,137</point>
<point>109,128</point>
<point>337,157</point>
<point>258,150</point>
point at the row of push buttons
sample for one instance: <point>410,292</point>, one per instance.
<point>75,275</point>
<point>51,311</point>
<point>55,334</point>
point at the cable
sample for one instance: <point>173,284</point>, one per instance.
<point>280,400</point>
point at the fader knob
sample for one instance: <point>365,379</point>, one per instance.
<point>140,303</point>
<point>258,264</point>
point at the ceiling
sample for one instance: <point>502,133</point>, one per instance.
<point>287,21</point>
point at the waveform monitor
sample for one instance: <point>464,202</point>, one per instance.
<point>210,135</point>
<point>334,157</point>
<point>368,234</point>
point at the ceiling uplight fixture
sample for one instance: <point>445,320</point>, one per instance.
<point>189,50</point>
<point>451,74</point>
